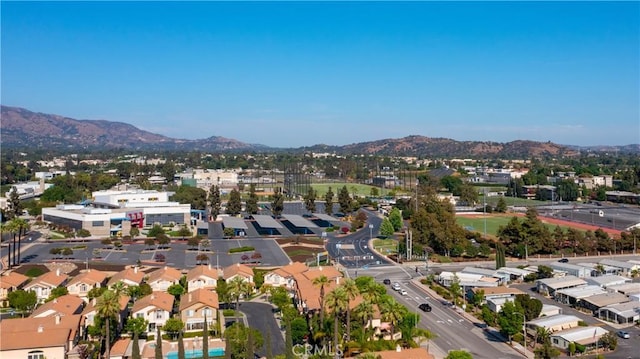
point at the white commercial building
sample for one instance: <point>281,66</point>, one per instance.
<point>115,212</point>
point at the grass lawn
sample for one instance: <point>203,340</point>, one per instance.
<point>354,188</point>
<point>299,252</point>
<point>385,246</point>
<point>476,224</point>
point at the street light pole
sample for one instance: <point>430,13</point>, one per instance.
<point>370,231</point>
<point>524,332</point>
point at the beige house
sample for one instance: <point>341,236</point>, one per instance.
<point>160,280</point>
<point>202,277</point>
<point>238,270</point>
<point>39,338</point>
<point>156,308</point>
<point>44,284</point>
<point>283,277</point>
<point>10,281</point>
<point>81,284</point>
<point>195,305</point>
<point>130,277</point>
<point>63,305</point>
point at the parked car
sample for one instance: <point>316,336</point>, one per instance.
<point>425,307</point>
<point>564,260</point>
<point>387,281</point>
<point>624,335</point>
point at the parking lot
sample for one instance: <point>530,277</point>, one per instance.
<point>179,254</point>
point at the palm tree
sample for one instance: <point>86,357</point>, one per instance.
<point>364,312</point>
<point>392,312</point>
<point>337,300</point>
<point>108,307</point>
<point>8,228</point>
<point>238,287</point>
<point>23,228</point>
<point>351,291</point>
<point>321,282</point>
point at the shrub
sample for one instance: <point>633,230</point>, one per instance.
<point>241,249</point>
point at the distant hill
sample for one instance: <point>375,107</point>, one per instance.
<point>24,129</point>
<point>445,147</point>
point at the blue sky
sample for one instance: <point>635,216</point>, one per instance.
<point>289,74</point>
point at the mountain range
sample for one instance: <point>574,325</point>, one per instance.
<point>24,129</point>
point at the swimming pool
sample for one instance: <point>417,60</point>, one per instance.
<point>195,354</point>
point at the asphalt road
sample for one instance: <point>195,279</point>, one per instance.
<point>352,250</point>
<point>260,317</point>
<point>448,325</point>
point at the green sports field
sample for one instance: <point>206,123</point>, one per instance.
<point>477,223</point>
<point>354,188</point>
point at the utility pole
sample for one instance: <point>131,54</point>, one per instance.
<point>484,210</point>
<point>409,244</point>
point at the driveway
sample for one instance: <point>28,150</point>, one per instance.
<point>260,317</point>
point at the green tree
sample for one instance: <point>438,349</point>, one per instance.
<point>468,194</point>
<point>351,291</point>
<point>214,201</point>
<point>344,200</point>
<point>531,306</point>
<point>510,319</point>
<point>136,326</point>
<point>205,338</point>
<point>238,288</point>
<point>392,312</point>
<point>196,197</point>
<point>337,300</point>
<point>223,290</point>
<point>458,354</point>
<point>173,326</point>
<point>288,341</point>
<point>328,202</point>
<point>155,231</point>
<point>158,348</point>
<point>277,203</point>
<point>234,205</point>
<point>322,282</point>
<point>500,256</point>
<point>452,184</point>
<point>386,228</point>
<point>395,217</point>
<point>184,231</point>
<point>299,330</point>
<point>14,205</point>
<point>238,336</point>
<point>501,206</point>
<point>455,289</point>
<point>22,300</point>
<point>108,308</point>
<point>310,200</point>
<point>252,201</point>
<point>57,292</point>
<point>568,190</point>
<point>95,292</point>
